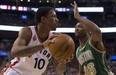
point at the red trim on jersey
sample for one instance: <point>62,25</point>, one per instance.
<point>10,66</point>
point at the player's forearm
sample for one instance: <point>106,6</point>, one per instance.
<point>25,50</point>
<point>88,24</point>
<point>61,72</point>
<point>60,69</point>
<point>80,73</point>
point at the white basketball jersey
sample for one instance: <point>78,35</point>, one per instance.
<point>35,64</point>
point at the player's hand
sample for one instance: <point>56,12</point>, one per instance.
<point>66,60</point>
<point>49,41</point>
<point>70,58</point>
<point>75,8</point>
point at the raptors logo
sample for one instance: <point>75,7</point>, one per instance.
<point>34,37</point>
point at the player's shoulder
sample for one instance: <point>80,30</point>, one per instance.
<point>25,32</point>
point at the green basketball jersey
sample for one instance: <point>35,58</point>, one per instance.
<point>92,60</point>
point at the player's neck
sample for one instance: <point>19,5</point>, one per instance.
<point>42,33</point>
<point>82,41</point>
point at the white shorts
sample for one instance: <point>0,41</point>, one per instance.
<point>11,71</point>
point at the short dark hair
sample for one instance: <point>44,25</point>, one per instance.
<point>42,11</point>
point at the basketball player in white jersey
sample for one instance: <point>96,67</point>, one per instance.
<point>30,48</point>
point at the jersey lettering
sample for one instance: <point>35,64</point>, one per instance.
<point>40,63</point>
<point>46,53</point>
<point>90,69</point>
<point>85,56</point>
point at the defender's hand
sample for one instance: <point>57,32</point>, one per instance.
<point>75,8</point>
<point>67,60</point>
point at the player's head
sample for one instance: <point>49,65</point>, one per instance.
<point>80,31</point>
<point>47,16</point>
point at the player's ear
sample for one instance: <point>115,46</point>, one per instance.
<point>43,19</point>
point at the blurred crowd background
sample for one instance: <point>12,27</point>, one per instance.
<point>27,18</point>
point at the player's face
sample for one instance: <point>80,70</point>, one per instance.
<point>52,20</point>
<point>80,31</point>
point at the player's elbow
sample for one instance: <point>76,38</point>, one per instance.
<point>99,31</point>
<point>14,53</point>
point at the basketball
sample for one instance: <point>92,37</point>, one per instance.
<point>63,47</point>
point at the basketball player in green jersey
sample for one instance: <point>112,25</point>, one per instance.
<point>91,52</point>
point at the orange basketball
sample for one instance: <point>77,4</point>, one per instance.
<point>63,47</point>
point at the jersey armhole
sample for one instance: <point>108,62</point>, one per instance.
<point>96,48</point>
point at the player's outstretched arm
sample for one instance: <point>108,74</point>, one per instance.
<point>91,27</point>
